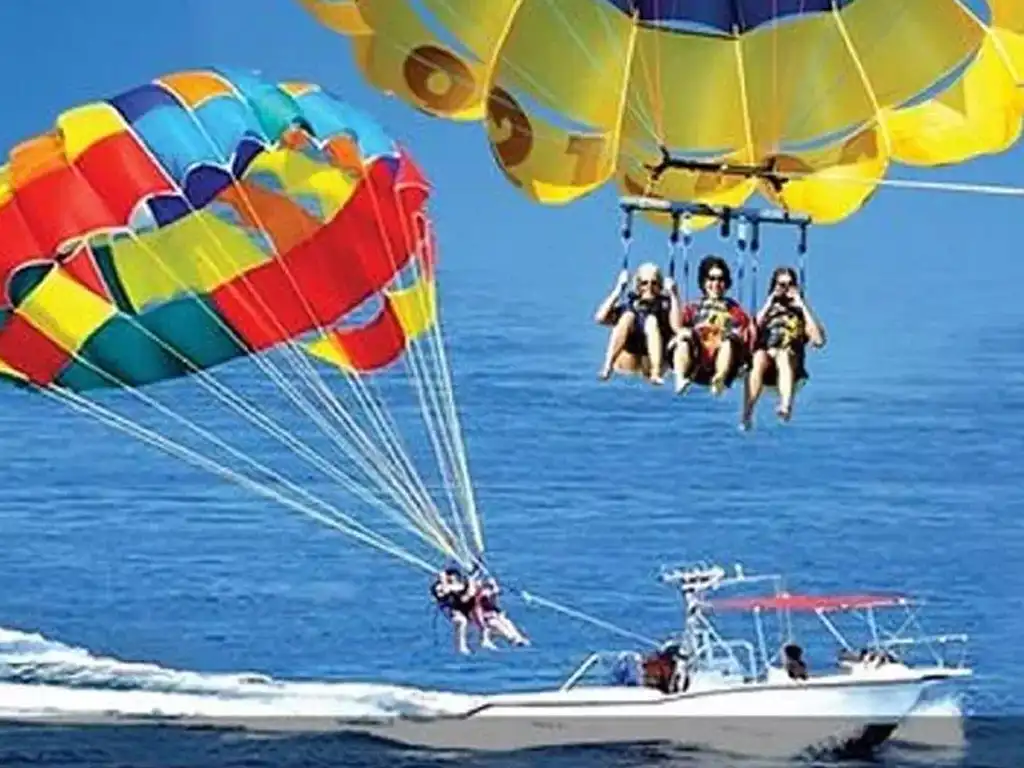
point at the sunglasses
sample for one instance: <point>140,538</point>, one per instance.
<point>715,277</point>
<point>784,284</point>
<point>643,283</point>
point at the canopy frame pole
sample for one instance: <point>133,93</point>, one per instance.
<point>767,171</point>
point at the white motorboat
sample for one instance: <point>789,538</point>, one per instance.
<point>704,691</point>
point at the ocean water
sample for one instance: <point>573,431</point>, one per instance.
<point>131,584</point>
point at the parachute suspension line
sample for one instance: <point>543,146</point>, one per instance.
<point>402,476</point>
<point>424,244</point>
<point>215,440</point>
<point>279,378</point>
<point>428,243</point>
<point>349,521</point>
<point>103,415</point>
<point>442,439</point>
<point>427,378</point>
<point>240,405</point>
<point>801,250</point>
<point>429,403</point>
<point>302,371</point>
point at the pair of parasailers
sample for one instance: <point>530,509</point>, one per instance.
<point>466,600</point>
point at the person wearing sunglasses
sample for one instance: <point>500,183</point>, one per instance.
<point>643,320</point>
<point>716,334</point>
<point>785,325</point>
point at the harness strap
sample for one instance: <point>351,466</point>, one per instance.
<point>741,249</point>
<point>801,250</point>
<point>627,237</point>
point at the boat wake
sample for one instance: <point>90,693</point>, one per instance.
<point>45,681</point>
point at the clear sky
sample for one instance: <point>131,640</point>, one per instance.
<point>887,281</point>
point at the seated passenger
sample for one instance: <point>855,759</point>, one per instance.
<point>785,325</point>
<point>795,665</point>
<point>665,670</point>
<point>717,335</point>
<point>642,323</point>
<point>491,618</point>
<point>456,599</point>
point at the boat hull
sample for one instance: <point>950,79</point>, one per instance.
<point>761,720</point>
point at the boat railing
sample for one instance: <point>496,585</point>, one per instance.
<point>936,644</point>
<point>588,663</point>
<point>729,655</point>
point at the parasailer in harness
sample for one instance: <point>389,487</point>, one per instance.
<point>464,600</point>
<point>716,337</point>
<point>456,599</point>
<point>493,619</point>
<point>786,325</point>
<point>643,321</point>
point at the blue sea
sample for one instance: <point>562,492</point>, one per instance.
<point>127,575</point>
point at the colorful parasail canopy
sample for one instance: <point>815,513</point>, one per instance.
<point>204,216</point>
<point>829,93</point>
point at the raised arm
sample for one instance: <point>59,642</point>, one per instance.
<point>603,314</point>
<point>675,306</point>
<point>815,329</point>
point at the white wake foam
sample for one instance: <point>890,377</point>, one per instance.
<point>44,679</point>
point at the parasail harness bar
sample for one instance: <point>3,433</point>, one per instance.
<point>766,171</point>
<point>748,232</point>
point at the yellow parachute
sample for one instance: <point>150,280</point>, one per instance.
<point>827,93</point>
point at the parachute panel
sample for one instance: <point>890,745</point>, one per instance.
<point>978,114</point>
<point>686,92</point>
<point>833,182</point>
<point>403,56</point>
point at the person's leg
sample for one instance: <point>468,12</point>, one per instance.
<point>754,386</point>
<point>616,343</point>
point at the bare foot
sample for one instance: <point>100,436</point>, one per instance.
<point>718,385</point>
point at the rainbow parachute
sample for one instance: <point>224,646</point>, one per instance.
<point>829,92</point>
<point>209,218</point>
<point>199,218</point>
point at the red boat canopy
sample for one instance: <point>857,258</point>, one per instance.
<point>809,603</point>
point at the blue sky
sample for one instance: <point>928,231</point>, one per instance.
<point>897,278</point>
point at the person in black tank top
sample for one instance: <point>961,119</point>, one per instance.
<point>455,598</point>
<point>643,321</point>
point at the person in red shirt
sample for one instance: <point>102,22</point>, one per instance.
<point>717,335</point>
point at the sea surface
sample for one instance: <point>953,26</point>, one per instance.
<point>134,585</point>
